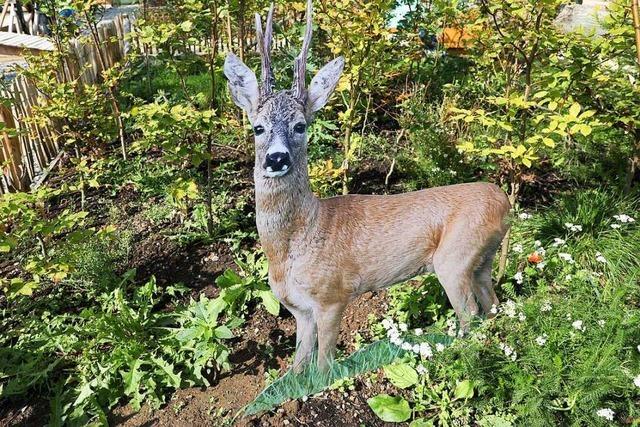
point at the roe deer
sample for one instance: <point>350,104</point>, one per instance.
<point>323,253</point>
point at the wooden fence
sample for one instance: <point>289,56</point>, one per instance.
<point>27,155</point>
<point>29,151</point>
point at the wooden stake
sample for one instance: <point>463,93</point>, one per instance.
<point>636,24</point>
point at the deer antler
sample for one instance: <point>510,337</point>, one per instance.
<point>264,47</point>
<point>300,64</point>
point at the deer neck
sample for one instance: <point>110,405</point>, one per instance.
<point>286,210</point>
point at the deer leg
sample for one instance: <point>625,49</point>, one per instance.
<point>305,338</point>
<point>457,280</point>
<point>483,287</point>
<point>328,320</point>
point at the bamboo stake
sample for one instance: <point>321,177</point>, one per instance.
<point>634,161</point>
<point>636,24</point>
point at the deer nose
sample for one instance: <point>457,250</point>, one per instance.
<point>277,162</point>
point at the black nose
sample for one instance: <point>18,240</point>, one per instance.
<point>276,162</point>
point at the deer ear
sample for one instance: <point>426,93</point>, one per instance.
<point>243,84</point>
<point>323,84</point>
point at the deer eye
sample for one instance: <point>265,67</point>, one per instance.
<point>300,128</point>
<point>258,130</point>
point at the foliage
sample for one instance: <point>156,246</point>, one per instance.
<point>390,409</point>
<point>365,41</point>
<point>237,290</point>
<point>36,234</point>
<point>123,346</point>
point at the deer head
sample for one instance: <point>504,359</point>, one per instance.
<point>280,119</point>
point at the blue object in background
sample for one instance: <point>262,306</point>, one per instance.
<point>67,12</point>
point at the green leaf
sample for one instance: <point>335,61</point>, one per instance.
<point>166,370</point>
<point>464,390</point>
<point>574,110</point>
<point>223,332</point>
<point>132,378</point>
<point>401,375</point>
<point>85,392</point>
<point>270,302</point>
<point>390,409</point>
<point>421,422</point>
<point>228,278</point>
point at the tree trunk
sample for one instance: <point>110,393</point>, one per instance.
<point>504,250</point>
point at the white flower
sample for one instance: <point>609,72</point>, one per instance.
<point>451,324</point>
<point>606,413</point>
<point>601,323</point>
<point>546,306</point>
<point>573,227</point>
<point>494,309</point>
<point>525,216</point>
<point>416,348</point>
<point>624,218</point>
<point>568,277</point>
<point>579,325</point>
<point>406,346</point>
<point>421,369</point>
<point>522,317</point>
<point>566,257</point>
<point>393,333</point>
<point>403,327</point>
<point>417,332</point>
<point>517,248</point>
<point>539,248</point>
<point>600,258</point>
<point>519,278</point>
<point>440,348</point>
<point>510,308</point>
<point>541,340</point>
<point>505,349</point>
<point>614,226</point>
<point>396,341</point>
<point>425,350</point>
<point>541,265</point>
<point>636,381</point>
<point>558,242</point>
<point>638,347</point>
<point>387,323</point>
<point>480,336</point>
